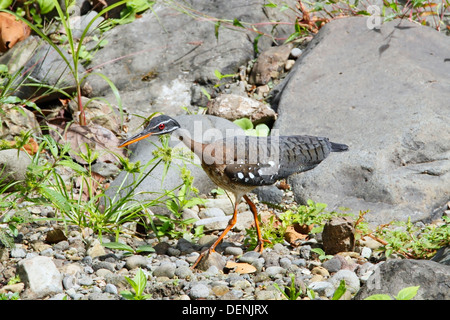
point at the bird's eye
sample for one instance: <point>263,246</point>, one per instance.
<point>161,126</point>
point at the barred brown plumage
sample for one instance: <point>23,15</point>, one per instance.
<point>240,164</point>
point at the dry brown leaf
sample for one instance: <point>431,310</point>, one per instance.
<point>283,185</point>
<point>303,228</point>
<point>31,147</point>
<point>11,31</point>
<point>240,267</point>
<point>294,237</point>
<point>97,138</point>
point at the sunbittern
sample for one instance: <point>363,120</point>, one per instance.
<point>240,164</point>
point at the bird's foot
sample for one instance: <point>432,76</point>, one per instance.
<point>201,256</point>
<point>260,247</point>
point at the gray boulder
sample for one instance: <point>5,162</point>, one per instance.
<point>394,275</point>
<point>384,92</point>
<point>159,61</point>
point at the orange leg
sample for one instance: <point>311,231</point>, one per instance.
<point>230,225</point>
<point>260,246</point>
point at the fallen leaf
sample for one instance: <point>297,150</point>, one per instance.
<point>303,228</point>
<point>12,31</point>
<point>240,267</point>
<point>31,147</point>
<point>294,237</point>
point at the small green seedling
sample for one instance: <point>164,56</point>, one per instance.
<point>138,283</point>
<point>321,253</point>
<point>404,294</point>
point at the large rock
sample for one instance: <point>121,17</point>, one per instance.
<point>394,275</point>
<point>159,61</point>
<point>384,92</point>
<point>42,64</point>
<point>13,167</point>
<point>234,107</point>
<point>41,276</point>
<point>201,128</point>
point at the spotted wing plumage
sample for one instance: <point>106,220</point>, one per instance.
<point>263,161</point>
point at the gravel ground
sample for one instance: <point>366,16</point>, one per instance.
<point>78,267</point>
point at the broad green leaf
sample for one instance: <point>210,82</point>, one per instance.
<point>118,246</point>
<point>262,130</point>
<point>319,251</point>
<point>244,123</point>
<point>379,297</point>
<point>407,293</point>
<point>270,5</point>
<point>5,3</point>
<point>46,5</point>
<point>145,248</point>
<point>141,281</point>
<point>140,5</point>
<point>339,291</point>
<point>127,294</point>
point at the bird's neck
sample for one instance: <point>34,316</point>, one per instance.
<point>184,136</point>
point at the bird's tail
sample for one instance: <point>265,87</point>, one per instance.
<point>338,147</point>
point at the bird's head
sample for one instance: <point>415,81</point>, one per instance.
<point>158,125</point>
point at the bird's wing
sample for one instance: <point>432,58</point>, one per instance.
<point>276,158</point>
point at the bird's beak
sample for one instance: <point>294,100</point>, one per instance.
<point>136,138</point>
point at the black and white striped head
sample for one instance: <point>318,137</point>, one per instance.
<point>158,125</point>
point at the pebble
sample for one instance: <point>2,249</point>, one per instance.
<point>18,253</point>
<point>332,265</point>
<point>69,282</point>
<point>296,52</point>
<point>234,251</point>
<point>136,261</point>
<point>183,272</point>
<point>165,269</point>
<point>249,257</point>
<point>350,278</point>
<point>41,276</point>
<point>85,281</point>
<point>211,213</point>
<point>323,288</point>
<point>271,258</point>
<point>199,291</point>
<point>366,252</point>
<point>110,288</point>
<point>273,271</point>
